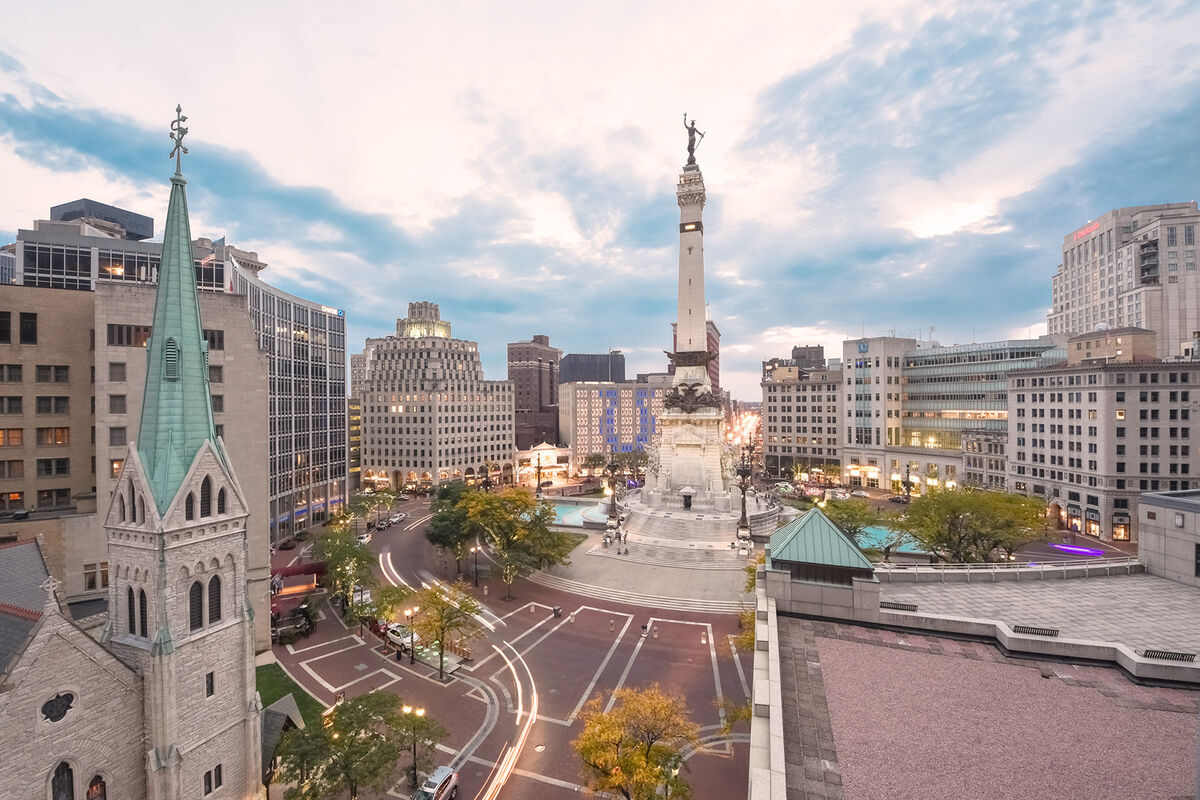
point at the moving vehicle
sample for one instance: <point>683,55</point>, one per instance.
<point>364,537</point>
<point>841,494</point>
<point>403,497</point>
<point>859,493</point>
<point>396,518</point>
<point>442,784</point>
<point>401,635</point>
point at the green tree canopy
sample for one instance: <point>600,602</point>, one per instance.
<point>594,461</point>
<point>450,527</point>
<point>517,528</point>
<point>447,617</point>
<point>963,526</point>
<point>357,748</point>
<point>347,563</point>
<point>852,517</point>
<point>636,748</point>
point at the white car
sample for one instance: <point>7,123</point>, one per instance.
<point>441,785</point>
<point>401,635</point>
<point>859,493</point>
<point>364,537</point>
<point>397,517</point>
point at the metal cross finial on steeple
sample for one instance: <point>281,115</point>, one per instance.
<point>50,585</point>
<point>177,133</point>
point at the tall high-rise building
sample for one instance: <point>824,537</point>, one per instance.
<point>354,455</point>
<point>428,415</point>
<point>801,411</point>
<point>605,417</point>
<point>87,244</point>
<point>1131,267</point>
<point>533,370</point>
<point>609,367</point>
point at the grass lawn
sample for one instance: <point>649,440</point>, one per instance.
<point>273,683</point>
<point>578,539</point>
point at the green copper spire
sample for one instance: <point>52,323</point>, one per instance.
<point>176,407</point>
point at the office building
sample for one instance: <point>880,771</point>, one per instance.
<point>984,463</point>
<point>801,410</point>
<point>1131,267</point>
<point>1089,438</point>
<point>608,367</point>
<point>428,415</point>
<point>533,370</point>
<point>602,416</point>
<point>809,356</point>
<point>354,454</point>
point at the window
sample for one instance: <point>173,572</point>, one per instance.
<point>128,335</point>
<point>52,405</point>
<point>206,497</point>
<point>116,437</point>
<point>53,437</point>
<point>216,374</point>
<point>28,328</point>
<point>5,327</point>
<point>62,785</point>
<point>50,373</point>
<point>143,613</point>
<point>95,576</point>
<point>189,507</point>
<point>10,373</point>
<point>114,467</point>
<point>210,684</point>
<point>221,502</point>
<point>11,405</point>
<point>129,608</point>
<point>171,359</point>
<point>214,600</point>
<point>12,469</point>
<point>215,339</point>
<point>116,404</point>
<point>218,403</point>
<point>116,371</point>
<point>1120,413</point>
<point>97,790</point>
<point>212,779</point>
<point>48,467</point>
<point>196,606</point>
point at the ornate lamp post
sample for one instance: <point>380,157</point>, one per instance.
<point>475,551</point>
<point>614,468</point>
<point>417,712</point>
<point>538,466</point>
<point>744,472</point>
<point>412,634</point>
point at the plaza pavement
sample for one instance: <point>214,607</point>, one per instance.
<point>1135,610</point>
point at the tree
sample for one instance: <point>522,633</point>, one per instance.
<point>594,461</point>
<point>449,526</point>
<point>357,748</point>
<point>347,563</point>
<point>967,526</point>
<point>517,527</point>
<point>635,749</point>
<point>635,462</point>
<point>447,616</point>
<point>852,517</point>
<point>388,600</point>
<point>421,733</point>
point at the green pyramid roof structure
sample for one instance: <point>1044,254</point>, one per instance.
<point>177,413</point>
<point>812,538</point>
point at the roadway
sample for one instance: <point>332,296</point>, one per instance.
<point>513,709</point>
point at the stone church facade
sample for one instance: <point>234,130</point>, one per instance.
<point>164,705</point>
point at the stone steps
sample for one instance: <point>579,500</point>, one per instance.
<point>682,526</point>
<point>636,599</point>
<point>698,558</point>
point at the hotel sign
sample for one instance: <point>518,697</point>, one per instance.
<point>1086,229</point>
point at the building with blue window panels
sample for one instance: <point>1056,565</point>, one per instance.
<point>602,417</point>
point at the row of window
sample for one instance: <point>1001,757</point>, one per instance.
<point>43,373</point>
<point>27,328</point>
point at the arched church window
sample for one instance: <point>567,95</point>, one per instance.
<point>214,600</point>
<point>131,505</point>
<point>141,509</point>
<point>62,785</point>
<point>97,789</point>
<point>171,360</point>
<point>129,606</point>
<point>189,507</point>
<point>143,610</point>
<point>206,497</point>
<point>221,502</point>
<point>196,606</point>
<point>120,508</point>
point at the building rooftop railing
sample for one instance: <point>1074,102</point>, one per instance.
<point>940,571</point>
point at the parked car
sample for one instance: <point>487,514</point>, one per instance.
<point>403,497</point>
<point>442,784</point>
<point>841,494</point>
<point>897,498</point>
<point>401,635</point>
<point>859,493</point>
<point>364,537</point>
<point>396,518</point>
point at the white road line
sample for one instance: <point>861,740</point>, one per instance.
<point>612,700</point>
<point>394,677</point>
<point>417,522</point>
<point>293,561</point>
<point>603,665</point>
<point>522,772</point>
<point>293,650</point>
<point>737,662</point>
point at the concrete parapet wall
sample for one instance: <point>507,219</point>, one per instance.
<point>922,573</point>
<point>1053,647</point>
<point>768,776</point>
<point>859,602</point>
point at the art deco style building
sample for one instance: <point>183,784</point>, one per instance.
<point>533,370</point>
<point>428,415</point>
<point>1131,266</point>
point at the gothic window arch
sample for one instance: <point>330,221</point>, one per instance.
<point>143,614</point>
<point>131,610</point>
<point>97,789</point>
<point>214,599</point>
<point>131,505</point>
<point>120,508</point>
<point>171,359</point>
<point>62,782</point>
<point>196,606</point>
<point>206,497</point>
<point>141,508</point>
<point>221,502</point>
<point>189,507</point>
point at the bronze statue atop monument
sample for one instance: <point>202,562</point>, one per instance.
<point>694,137</point>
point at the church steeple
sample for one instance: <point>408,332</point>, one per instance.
<point>177,410</point>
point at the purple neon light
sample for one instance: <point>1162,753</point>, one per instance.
<point>1085,550</point>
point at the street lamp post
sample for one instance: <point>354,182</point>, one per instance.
<point>744,472</point>
<point>412,634</point>
<point>538,465</point>
<point>475,552</point>
<point>417,712</point>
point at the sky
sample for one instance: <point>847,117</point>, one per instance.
<point>871,167</point>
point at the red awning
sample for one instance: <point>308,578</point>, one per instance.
<point>309,568</point>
